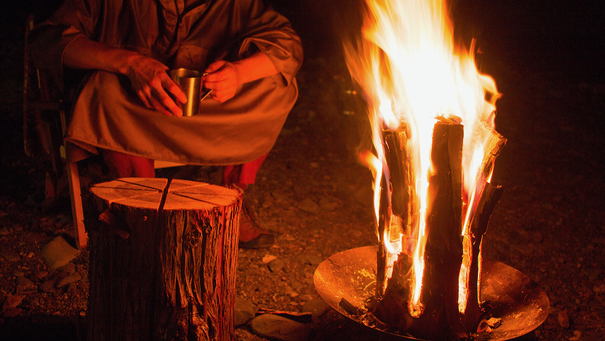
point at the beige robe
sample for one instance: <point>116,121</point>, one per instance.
<point>107,113</point>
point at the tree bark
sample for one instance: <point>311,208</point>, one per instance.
<point>163,259</point>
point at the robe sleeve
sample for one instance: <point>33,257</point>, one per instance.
<point>272,34</point>
<point>49,40</point>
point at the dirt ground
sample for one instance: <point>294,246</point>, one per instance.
<point>316,198</point>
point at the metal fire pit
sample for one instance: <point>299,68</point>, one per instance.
<point>517,300</point>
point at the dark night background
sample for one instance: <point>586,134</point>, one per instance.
<point>548,60</point>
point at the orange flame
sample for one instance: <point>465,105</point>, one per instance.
<point>411,71</point>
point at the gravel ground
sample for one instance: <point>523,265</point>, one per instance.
<point>314,195</point>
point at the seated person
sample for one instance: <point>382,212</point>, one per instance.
<point>111,58</point>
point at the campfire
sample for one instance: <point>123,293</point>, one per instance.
<point>434,147</point>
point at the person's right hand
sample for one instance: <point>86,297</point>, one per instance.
<point>150,81</point>
<point>149,77</point>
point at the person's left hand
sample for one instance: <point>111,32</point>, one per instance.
<point>223,79</point>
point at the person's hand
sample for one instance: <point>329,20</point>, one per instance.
<point>222,79</point>
<point>149,77</point>
<point>152,84</point>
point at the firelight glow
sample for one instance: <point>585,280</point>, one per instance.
<point>411,72</point>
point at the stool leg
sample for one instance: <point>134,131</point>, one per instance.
<point>77,211</point>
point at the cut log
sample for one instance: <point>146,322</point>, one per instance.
<point>480,207</point>
<point>452,255</point>
<point>398,202</point>
<point>472,313</point>
<point>443,250</point>
<point>439,317</point>
<point>163,259</point>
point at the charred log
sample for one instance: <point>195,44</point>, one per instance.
<point>489,199</point>
<point>480,212</point>
<point>397,198</point>
<point>443,252</point>
<point>440,318</point>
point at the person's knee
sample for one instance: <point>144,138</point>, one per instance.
<point>123,165</point>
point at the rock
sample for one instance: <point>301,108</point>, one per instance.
<point>563,320</point>
<point>24,285</point>
<point>525,249</point>
<point>577,335</point>
<point>279,196</point>
<point>279,328</point>
<point>276,265</point>
<point>62,220</point>
<point>309,206</point>
<point>314,259</point>
<point>536,237</point>
<point>244,311</point>
<point>364,196</point>
<point>58,253</point>
<point>10,255</point>
<point>290,292</point>
<point>328,203</point>
<point>12,301</point>
<point>71,289</point>
<point>309,259</point>
<point>268,258</point>
<point>68,268</point>
<point>41,274</point>
<point>317,307</point>
<point>524,236</point>
<point>296,285</point>
<point>593,274</point>
<point>49,285</point>
<point>4,284</point>
<point>11,312</point>
<point>285,132</point>
<point>4,231</point>
<point>300,189</point>
<point>69,279</point>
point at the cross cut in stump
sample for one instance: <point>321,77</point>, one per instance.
<point>163,259</point>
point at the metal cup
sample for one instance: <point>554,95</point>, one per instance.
<point>190,82</point>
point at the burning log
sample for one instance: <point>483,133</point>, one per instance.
<point>438,313</point>
<point>477,223</point>
<point>443,254</point>
<point>431,207</point>
<point>443,251</point>
<point>397,199</point>
<point>163,258</point>
<point>473,310</point>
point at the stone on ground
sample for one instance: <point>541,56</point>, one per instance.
<point>276,265</point>
<point>58,253</point>
<point>309,206</point>
<point>280,328</point>
<point>317,307</point>
<point>244,311</point>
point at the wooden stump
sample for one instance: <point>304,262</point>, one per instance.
<point>163,259</point>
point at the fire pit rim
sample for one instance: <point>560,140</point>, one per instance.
<point>349,275</point>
